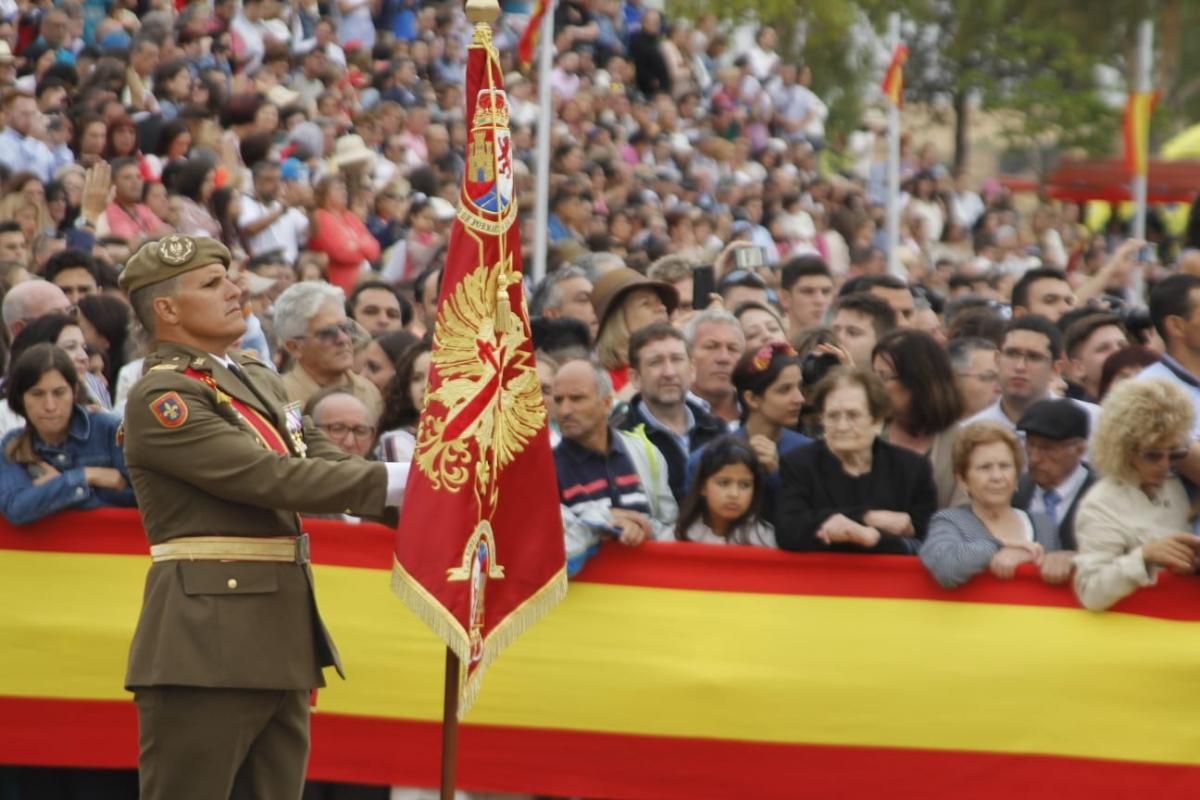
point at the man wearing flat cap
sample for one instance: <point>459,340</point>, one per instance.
<point>1056,437</point>
<point>229,644</point>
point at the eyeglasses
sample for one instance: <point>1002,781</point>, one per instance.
<point>1156,455</point>
<point>1028,356</point>
<point>835,417</point>
<point>340,430</point>
<point>762,359</point>
<point>329,334</point>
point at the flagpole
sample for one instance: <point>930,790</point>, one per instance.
<point>893,165</point>
<point>450,726</point>
<point>1141,181</point>
<point>541,234</point>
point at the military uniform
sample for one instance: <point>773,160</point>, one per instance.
<point>229,642</point>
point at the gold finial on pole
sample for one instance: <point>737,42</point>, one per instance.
<point>483,11</point>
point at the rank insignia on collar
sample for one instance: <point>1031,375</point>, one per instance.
<point>170,410</point>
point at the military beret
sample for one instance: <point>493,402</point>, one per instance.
<point>163,259</point>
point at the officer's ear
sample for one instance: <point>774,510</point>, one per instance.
<point>166,309</point>
<point>292,346</point>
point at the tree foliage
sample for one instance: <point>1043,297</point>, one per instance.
<point>1041,60</point>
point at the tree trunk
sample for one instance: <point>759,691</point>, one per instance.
<point>961,147</point>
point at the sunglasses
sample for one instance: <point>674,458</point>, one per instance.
<point>1157,455</point>
<point>329,334</point>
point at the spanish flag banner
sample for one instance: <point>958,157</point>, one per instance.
<point>893,79</point>
<point>1138,109</point>
<point>529,39</point>
<point>675,671</point>
<point>479,553</point>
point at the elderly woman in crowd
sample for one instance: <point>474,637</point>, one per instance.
<point>626,301</point>
<point>852,491</point>
<point>1134,522</point>
<point>926,405</point>
<point>66,456</point>
<point>989,533</point>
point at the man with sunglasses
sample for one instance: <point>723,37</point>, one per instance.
<point>229,644</point>
<point>311,323</point>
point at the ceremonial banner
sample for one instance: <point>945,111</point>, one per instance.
<point>529,39</point>
<point>673,671</point>
<point>893,79</point>
<point>479,553</point>
<point>1137,131</point>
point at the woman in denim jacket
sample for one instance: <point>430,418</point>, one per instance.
<point>66,457</point>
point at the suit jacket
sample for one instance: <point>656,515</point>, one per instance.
<point>1066,529</point>
<point>204,471</point>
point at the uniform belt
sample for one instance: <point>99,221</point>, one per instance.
<point>285,549</point>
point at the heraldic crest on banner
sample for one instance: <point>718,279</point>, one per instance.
<point>479,553</point>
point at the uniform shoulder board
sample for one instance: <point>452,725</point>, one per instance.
<point>167,367</point>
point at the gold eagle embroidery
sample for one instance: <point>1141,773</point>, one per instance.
<point>488,402</point>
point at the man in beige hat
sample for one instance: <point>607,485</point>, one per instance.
<point>229,644</point>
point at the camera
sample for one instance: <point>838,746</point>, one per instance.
<point>815,366</point>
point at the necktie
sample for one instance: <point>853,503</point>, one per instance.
<point>1051,499</point>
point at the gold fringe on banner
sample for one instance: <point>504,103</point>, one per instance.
<point>447,627</point>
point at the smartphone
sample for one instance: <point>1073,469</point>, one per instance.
<point>748,257</point>
<point>704,283</point>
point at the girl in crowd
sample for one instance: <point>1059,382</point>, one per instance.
<point>760,324</point>
<point>63,331</point>
<point>340,234</point>
<point>403,400</point>
<point>767,381</point>
<point>926,406</point>
<point>105,323</point>
<point>382,353</point>
<point>725,500</point>
<point>989,533</point>
<point>194,183</point>
<point>66,456</point>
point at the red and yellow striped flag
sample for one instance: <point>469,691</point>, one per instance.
<point>1137,131</point>
<point>893,79</point>
<point>529,39</point>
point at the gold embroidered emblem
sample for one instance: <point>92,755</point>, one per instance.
<point>488,404</point>
<point>176,250</point>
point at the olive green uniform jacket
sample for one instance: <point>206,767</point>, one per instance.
<point>247,625</point>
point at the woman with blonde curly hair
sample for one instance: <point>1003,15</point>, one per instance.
<point>1134,522</point>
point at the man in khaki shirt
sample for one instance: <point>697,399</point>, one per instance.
<point>311,323</point>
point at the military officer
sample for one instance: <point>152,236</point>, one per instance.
<point>229,643</point>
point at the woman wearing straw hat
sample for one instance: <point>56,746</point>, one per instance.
<point>626,301</point>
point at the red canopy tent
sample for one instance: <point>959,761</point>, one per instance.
<point>1107,179</point>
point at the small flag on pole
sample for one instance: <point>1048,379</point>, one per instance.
<point>893,79</point>
<point>1137,131</point>
<point>479,553</point>
<point>529,39</point>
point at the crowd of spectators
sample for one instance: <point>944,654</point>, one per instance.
<point>727,352</point>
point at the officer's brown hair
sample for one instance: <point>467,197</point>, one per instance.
<point>143,299</point>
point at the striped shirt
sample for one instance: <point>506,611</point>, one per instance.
<point>590,481</point>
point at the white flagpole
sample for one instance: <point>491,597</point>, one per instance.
<point>893,166</point>
<point>541,235</point>
<point>1140,182</point>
